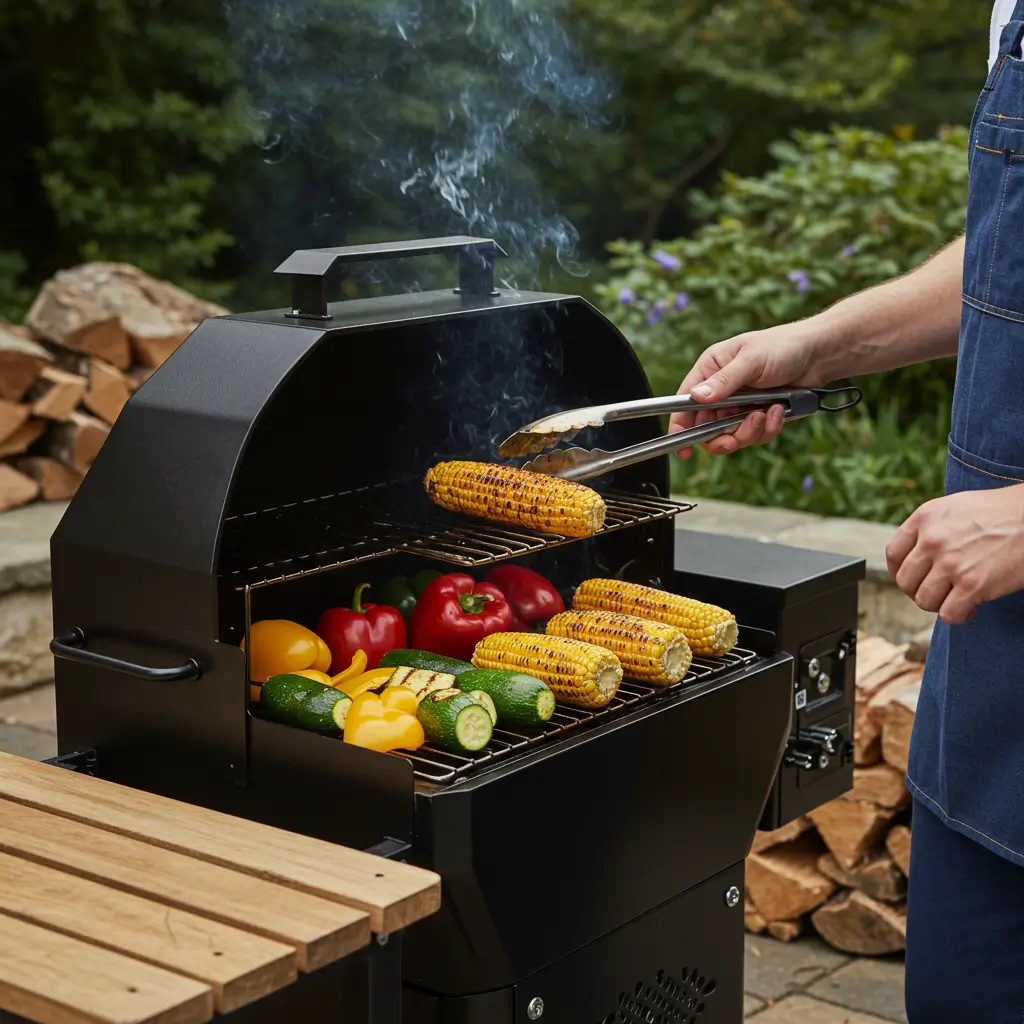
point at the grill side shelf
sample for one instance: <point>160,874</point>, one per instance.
<point>288,542</point>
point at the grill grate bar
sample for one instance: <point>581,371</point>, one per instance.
<point>439,766</point>
<point>289,542</point>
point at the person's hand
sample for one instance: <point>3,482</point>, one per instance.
<point>776,357</point>
<point>957,552</point>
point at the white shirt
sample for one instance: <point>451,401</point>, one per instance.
<point>1001,14</point>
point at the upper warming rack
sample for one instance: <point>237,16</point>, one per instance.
<point>289,541</point>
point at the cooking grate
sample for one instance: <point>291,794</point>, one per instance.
<point>438,766</point>
<point>275,545</point>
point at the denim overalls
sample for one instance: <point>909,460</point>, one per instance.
<point>967,751</point>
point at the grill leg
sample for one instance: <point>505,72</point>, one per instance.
<point>385,979</point>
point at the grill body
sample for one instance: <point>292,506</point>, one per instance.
<point>273,463</point>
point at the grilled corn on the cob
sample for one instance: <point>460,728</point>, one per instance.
<point>710,631</point>
<point>650,652</point>
<point>516,497</point>
<point>580,674</point>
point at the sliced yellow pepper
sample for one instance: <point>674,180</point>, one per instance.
<point>372,725</point>
<point>367,681</point>
<point>315,674</point>
<point>355,668</point>
<point>401,698</point>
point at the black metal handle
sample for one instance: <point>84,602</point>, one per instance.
<point>309,268</point>
<point>823,393</point>
<point>71,647</point>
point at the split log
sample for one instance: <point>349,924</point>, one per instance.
<point>109,390</point>
<point>12,418</point>
<point>784,882</point>
<point>872,653</point>
<point>752,920</point>
<point>78,442</point>
<point>16,489</point>
<point>21,362</point>
<point>870,714</point>
<point>56,394</point>
<point>878,876</point>
<point>788,832</point>
<point>786,931</point>
<point>109,309</point>
<point>849,828</point>
<point>897,843</point>
<point>56,481</point>
<point>855,923</point>
<point>19,442</point>
<point>879,784</point>
<point>896,732</point>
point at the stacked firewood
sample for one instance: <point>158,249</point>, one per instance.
<point>93,336</point>
<point>843,869</point>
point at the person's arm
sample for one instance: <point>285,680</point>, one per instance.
<point>910,319</point>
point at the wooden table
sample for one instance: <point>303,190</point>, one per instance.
<point>120,906</point>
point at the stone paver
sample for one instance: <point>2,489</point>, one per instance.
<point>803,1010</point>
<point>775,969</point>
<point>15,739</point>
<point>33,709</point>
<point>25,544</point>
<point>872,986</point>
<point>751,1004</point>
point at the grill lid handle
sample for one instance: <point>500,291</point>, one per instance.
<point>71,647</point>
<point>309,268</point>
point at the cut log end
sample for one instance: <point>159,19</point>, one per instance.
<point>897,844</point>
<point>16,489</point>
<point>850,828</point>
<point>784,882</point>
<point>56,481</point>
<point>857,924</point>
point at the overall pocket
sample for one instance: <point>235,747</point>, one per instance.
<point>994,265</point>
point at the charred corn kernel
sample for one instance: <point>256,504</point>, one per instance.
<point>649,652</point>
<point>583,675</point>
<point>709,630</point>
<point>517,497</point>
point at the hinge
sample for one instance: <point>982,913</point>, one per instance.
<point>82,760</point>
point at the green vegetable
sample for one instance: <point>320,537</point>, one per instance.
<point>485,699</point>
<point>421,681</point>
<point>454,721</point>
<point>402,592</point>
<point>426,661</point>
<point>305,704</point>
<point>519,699</point>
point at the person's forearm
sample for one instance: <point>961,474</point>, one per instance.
<point>911,319</point>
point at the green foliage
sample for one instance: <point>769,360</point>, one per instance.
<point>842,211</point>
<point>15,298</point>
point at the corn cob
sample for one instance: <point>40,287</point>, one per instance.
<point>650,652</point>
<point>583,675</point>
<point>709,630</point>
<point>516,497</point>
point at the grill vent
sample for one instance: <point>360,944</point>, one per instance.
<point>667,999</point>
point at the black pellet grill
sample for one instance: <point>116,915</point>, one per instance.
<point>593,870</point>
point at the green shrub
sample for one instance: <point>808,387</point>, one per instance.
<point>842,211</point>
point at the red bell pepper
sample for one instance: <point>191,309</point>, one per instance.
<point>531,597</point>
<point>455,612</point>
<point>373,628</point>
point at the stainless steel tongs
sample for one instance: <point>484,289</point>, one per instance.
<point>584,463</point>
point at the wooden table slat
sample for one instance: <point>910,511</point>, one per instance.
<point>238,966</point>
<point>54,979</point>
<point>320,931</point>
<point>394,895</point>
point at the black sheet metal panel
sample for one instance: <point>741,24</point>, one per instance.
<point>541,857</point>
<point>809,599</point>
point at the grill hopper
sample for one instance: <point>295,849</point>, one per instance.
<point>223,494</point>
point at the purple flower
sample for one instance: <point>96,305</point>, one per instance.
<point>850,250</point>
<point>808,484</point>
<point>666,259</point>
<point>800,279</point>
<point>626,296</point>
<point>682,301</point>
<point>657,312</point>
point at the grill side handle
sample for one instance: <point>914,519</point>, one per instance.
<point>309,268</point>
<point>71,647</point>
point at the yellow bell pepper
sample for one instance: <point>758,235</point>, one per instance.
<point>355,668</point>
<point>279,646</point>
<point>366,681</point>
<point>401,698</point>
<point>372,725</point>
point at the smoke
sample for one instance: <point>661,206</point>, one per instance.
<point>398,118</point>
